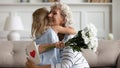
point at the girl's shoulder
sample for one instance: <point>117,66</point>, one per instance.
<point>50,31</point>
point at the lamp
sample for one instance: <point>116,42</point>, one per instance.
<point>13,24</point>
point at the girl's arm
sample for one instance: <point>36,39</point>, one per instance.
<point>45,47</point>
<point>64,30</point>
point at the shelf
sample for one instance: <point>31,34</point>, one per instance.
<point>47,4</point>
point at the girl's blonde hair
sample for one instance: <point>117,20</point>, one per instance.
<point>40,21</point>
<point>65,12</point>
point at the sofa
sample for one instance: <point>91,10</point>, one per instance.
<point>13,54</point>
<point>106,56</point>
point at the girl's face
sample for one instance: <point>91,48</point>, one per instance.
<point>56,17</point>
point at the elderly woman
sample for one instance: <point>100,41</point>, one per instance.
<point>67,58</point>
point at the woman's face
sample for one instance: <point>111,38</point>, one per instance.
<point>56,17</point>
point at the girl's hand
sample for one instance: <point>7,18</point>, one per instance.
<point>60,44</point>
<point>30,64</point>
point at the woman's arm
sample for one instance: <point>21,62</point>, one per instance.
<point>64,30</point>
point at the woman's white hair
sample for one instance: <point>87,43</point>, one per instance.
<point>65,11</point>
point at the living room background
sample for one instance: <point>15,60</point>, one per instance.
<point>105,16</point>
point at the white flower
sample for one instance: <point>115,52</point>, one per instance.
<point>89,34</point>
<point>92,30</point>
<point>83,33</point>
<point>86,29</point>
<point>85,38</point>
<point>94,44</point>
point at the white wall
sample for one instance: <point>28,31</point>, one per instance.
<point>83,13</point>
<point>116,18</point>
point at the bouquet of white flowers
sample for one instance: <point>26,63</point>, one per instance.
<point>86,39</point>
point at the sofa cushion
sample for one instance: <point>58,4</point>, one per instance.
<point>106,55</point>
<point>13,54</point>
<point>6,57</point>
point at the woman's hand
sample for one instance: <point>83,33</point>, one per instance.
<point>59,44</point>
<point>30,64</point>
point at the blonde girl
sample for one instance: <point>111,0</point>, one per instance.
<point>40,22</point>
